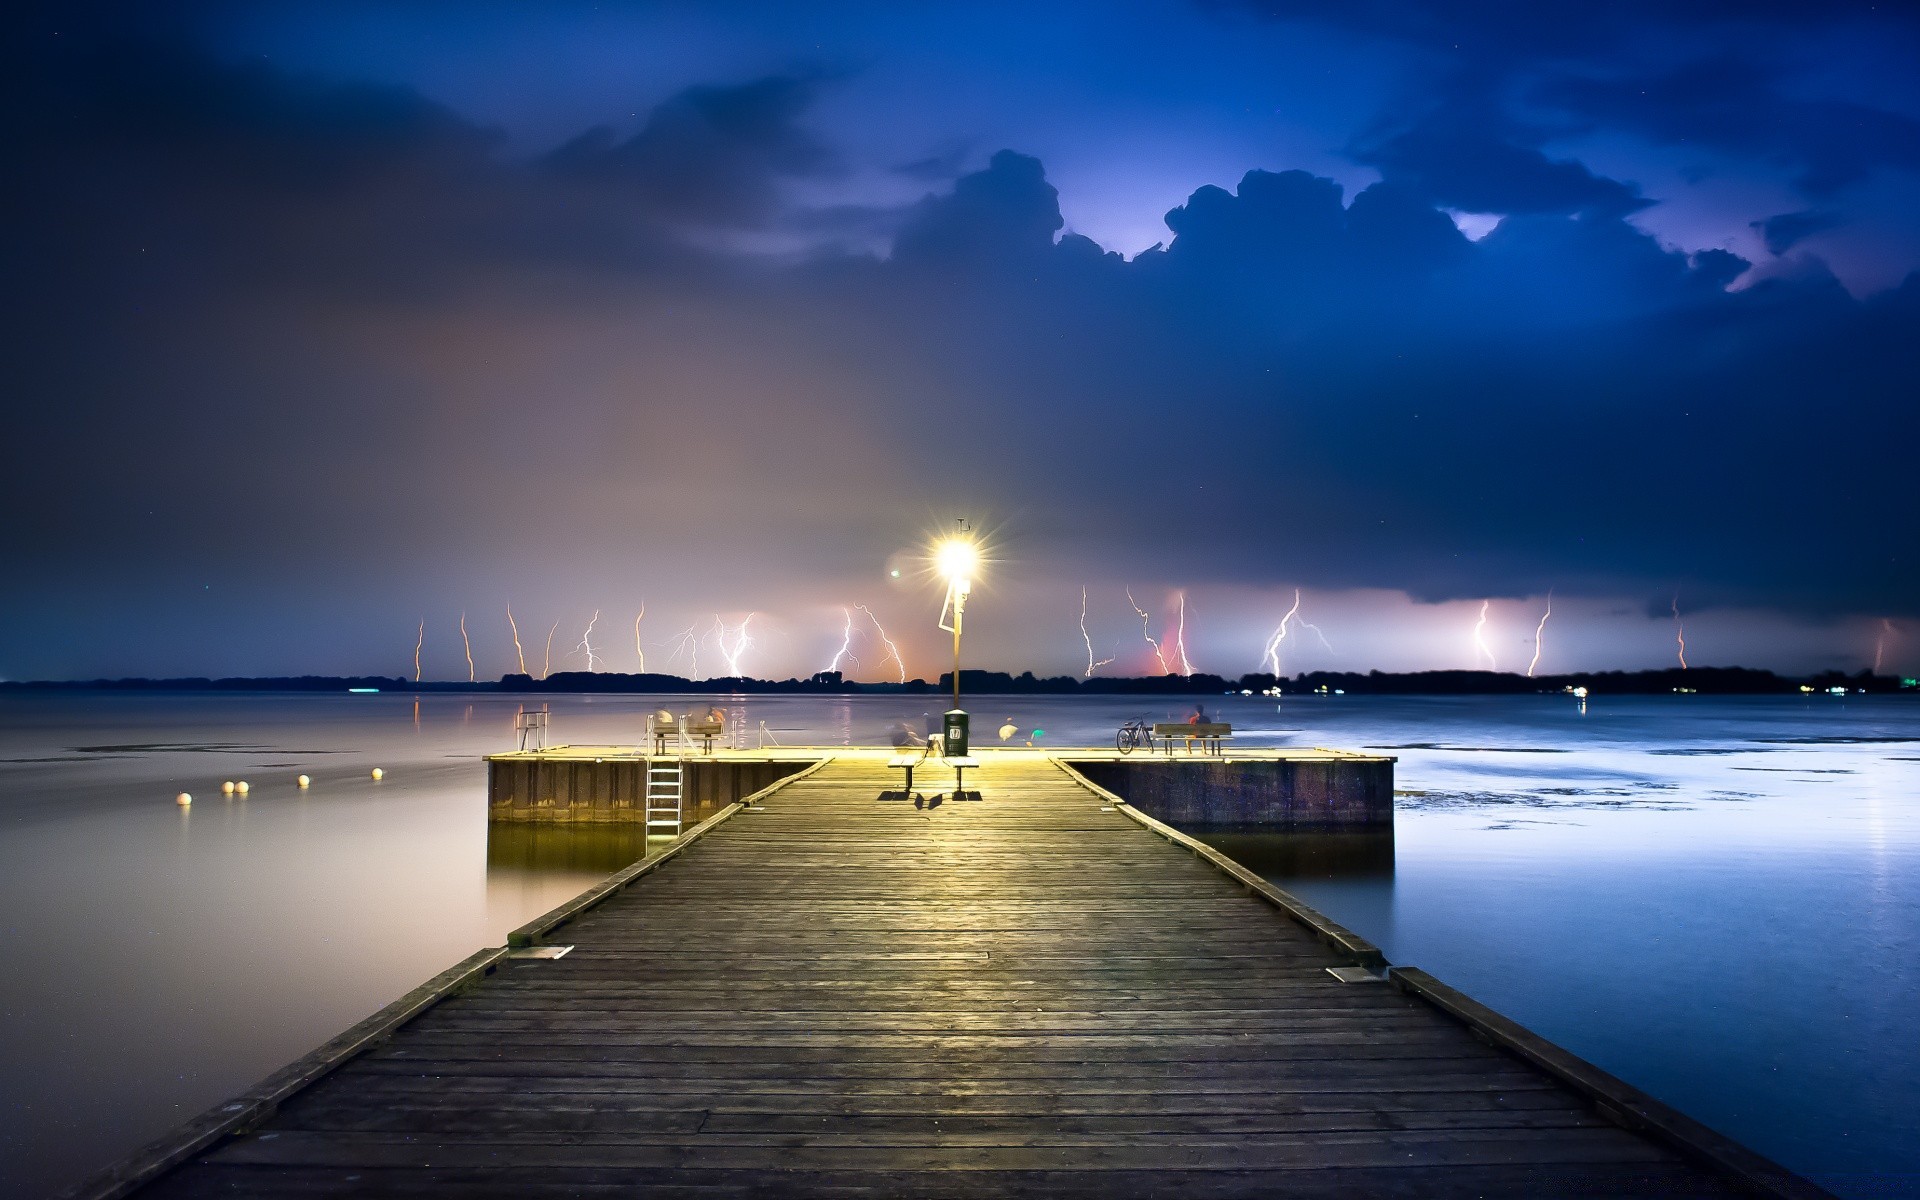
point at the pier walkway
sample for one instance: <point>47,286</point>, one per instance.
<point>1032,995</point>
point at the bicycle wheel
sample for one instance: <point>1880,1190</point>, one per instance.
<point>1126,739</point>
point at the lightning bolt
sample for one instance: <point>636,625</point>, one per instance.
<point>636,636</point>
<point>467,646</point>
<point>1679,632</point>
<point>1317,633</point>
<point>1145,620</point>
<point>893,651</point>
<point>1479,637</point>
<point>419,642</point>
<point>1092,666</point>
<point>518,652</point>
<point>741,642</point>
<point>1180,638</point>
<point>1880,645</point>
<point>586,642</point>
<point>1537,631</point>
<point>546,668</point>
<point>846,641</point>
<point>689,641</point>
<point>1272,655</point>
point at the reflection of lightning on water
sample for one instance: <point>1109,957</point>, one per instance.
<point>419,642</point>
<point>1679,632</point>
<point>546,668</point>
<point>1480,640</point>
<point>1145,622</point>
<point>637,649</point>
<point>740,642</point>
<point>1271,657</point>
<point>467,646</point>
<point>1538,630</point>
<point>517,651</point>
<point>586,642</point>
<point>893,651</point>
<point>1880,645</point>
<point>1180,638</point>
<point>1092,666</point>
<point>846,641</point>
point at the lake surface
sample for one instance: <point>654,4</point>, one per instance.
<point>1718,900</point>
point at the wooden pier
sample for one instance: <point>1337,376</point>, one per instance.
<point>1042,993</point>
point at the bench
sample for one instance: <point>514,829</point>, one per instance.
<point>904,762</point>
<point>907,763</point>
<point>706,731</point>
<point>960,766</point>
<point>1211,734</point>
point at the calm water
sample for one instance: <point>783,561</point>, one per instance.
<point>1717,900</point>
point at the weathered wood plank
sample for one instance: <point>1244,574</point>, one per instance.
<point>1028,996</point>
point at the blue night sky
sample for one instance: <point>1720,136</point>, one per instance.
<point>327,320</point>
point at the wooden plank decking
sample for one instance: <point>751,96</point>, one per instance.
<point>1031,995</point>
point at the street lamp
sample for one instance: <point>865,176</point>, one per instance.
<point>957,558</point>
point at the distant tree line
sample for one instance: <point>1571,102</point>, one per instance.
<point>1715,681</point>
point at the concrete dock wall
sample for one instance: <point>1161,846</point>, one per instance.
<point>529,788</point>
<point>1251,794</point>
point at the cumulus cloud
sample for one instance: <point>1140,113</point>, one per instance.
<point>525,368</point>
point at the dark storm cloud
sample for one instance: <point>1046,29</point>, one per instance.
<point>1787,230</point>
<point>1746,108</point>
<point>278,329</point>
<point>708,156</point>
<point>1460,160</point>
<point>1494,78</point>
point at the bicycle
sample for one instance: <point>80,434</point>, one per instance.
<point>1132,735</point>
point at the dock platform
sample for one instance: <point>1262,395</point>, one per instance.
<point>1043,993</point>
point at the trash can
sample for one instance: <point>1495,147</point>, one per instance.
<point>955,737</point>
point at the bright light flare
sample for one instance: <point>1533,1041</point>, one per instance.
<point>958,560</point>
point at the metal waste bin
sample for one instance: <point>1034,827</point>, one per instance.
<point>955,738</point>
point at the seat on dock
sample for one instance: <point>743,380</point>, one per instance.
<point>1212,735</point>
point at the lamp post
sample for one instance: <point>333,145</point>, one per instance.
<point>957,558</point>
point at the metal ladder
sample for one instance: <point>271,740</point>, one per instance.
<point>663,798</point>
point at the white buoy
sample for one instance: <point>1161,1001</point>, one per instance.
<point>183,799</point>
<point>226,789</point>
<point>378,773</point>
<point>302,781</point>
<point>241,787</point>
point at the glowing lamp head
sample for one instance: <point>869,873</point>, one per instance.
<point>957,559</point>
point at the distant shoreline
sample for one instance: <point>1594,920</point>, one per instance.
<point>1713,681</point>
